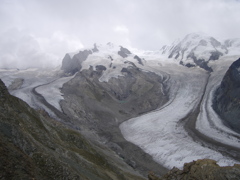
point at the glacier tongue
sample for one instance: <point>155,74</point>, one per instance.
<point>161,134</point>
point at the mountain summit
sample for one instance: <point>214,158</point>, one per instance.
<point>109,59</point>
<point>199,49</point>
<point>194,50</point>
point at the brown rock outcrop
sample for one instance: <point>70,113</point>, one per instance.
<point>204,169</point>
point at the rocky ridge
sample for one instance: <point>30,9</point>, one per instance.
<point>205,169</point>
<point>194,50</point>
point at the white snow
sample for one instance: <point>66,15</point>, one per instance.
<point>193,43</point>
<point>108,56</point>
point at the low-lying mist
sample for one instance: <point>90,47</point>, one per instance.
<point>21,49</point>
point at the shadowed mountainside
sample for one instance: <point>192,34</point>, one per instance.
<point>227,97</point>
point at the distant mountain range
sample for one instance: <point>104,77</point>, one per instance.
<point>192,51</point>
<point>198,50</point>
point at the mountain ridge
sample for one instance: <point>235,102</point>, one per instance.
<point>194,50</point>
<point>199,49</point>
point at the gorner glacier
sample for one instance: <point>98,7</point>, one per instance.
<point>182,128</point>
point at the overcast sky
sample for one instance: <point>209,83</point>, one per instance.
<point>40,32</point>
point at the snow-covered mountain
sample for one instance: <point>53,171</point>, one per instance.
<point>199,49</point>
<point>194,50</point>
<point>233,46</point>
<point>110,58</point>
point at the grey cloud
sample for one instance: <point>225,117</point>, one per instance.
<point>146,24</point>
<point>20,49</point>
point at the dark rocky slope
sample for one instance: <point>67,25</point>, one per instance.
<point>227,97</point>
<point>100,107</point>
<point>71,65</point>
<point>34,146</point>
<point>204,169</point>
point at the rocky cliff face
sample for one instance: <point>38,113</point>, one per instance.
<point>227,97</point>
<point>34,146</point>
<point>123,52</point>
<point>205,169</point>
<point>74,64</point>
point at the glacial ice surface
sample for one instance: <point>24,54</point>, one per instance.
<point>52,91</point>
<point>160,133</point>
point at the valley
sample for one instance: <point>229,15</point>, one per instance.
<point>153,112</point>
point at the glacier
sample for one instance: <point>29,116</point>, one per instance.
<point>161,133</point>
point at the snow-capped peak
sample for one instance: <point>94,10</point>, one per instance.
<point>232,43</point>
<point>112,58</point>
<point>197,50</point>
<point>233,46</point>
<point>193,40</point>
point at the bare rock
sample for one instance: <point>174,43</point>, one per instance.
<point>227,97</point>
